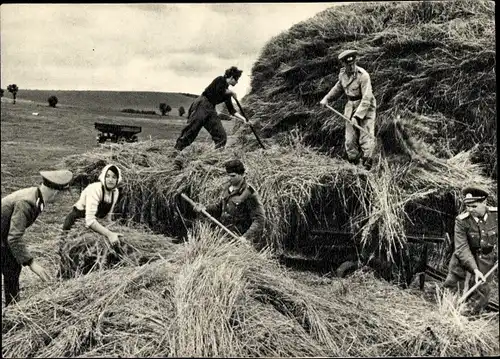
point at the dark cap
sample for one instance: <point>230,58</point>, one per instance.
<point>474,194</point>
<point>58,180</point>
<point>348,55</point>
<point>235,166</point>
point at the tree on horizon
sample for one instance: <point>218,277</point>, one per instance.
<point>53,101</point>
<point>13,89</point>
<point>165,109</point>
<point>182,111</point>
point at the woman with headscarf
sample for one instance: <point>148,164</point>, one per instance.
<point>97,201</point>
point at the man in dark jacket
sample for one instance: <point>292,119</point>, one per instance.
<point>19,210</point>
<point>476,245</point>
<point>202,112</point>
<point>240,209</point>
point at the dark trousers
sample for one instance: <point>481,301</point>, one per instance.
<point>202,114</point>
<point>11,270</point>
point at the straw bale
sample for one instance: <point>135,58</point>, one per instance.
<point>217,297</point>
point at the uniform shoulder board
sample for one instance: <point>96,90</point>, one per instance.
<point>492,209</point>
<point>463,216</point>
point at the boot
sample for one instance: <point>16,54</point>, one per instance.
<point>367,163</point>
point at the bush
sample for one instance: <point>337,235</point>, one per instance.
<point>165,109</point>
<point>53,101</point>
<point>1,92</point>
<point>142,112</point>
<point>182,111</point>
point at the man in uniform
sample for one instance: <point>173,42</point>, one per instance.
<point>19,210</point>
<point>355,82</point>
<point>476,245</point>
<point>240,210</point>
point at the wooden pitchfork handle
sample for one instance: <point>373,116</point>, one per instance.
<point>464,297</point>
<point>192,203</point>
<point>349,121</point>
<point>249,124</point>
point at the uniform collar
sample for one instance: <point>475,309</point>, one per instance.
<point>483,219</point>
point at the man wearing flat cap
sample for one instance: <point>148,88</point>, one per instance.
<point>361,105</point>
<point>240,208</point>
<point>476,245</point>
<point>20,209</point>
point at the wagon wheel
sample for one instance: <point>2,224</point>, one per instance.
<point>121,140</point>
<point>347,268</point>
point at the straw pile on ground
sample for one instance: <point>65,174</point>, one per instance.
<point>431,62</point>
<point>84,251</point>
<point>215,297</point>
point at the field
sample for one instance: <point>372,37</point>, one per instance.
<point>109,100</point>
<point>32,143</point>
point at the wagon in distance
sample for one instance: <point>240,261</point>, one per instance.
<point>116,133</point>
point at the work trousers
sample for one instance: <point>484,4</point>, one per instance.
<point>202,114</point>
<point>358,144</point>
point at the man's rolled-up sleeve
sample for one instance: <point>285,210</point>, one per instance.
<point>366,96</point>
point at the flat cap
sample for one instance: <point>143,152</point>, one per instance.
<point>59,179</point>
<point>235,166</point>
<point>348,55</point>
<point>474,194</point>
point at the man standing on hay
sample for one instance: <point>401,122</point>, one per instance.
<point>97,201</point>
<point>20,209</point>
<point>240,210</point>
<point>360,109</point>
<point>202,111</point>
<point>476,246</point>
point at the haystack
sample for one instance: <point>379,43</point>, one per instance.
<point>215,297</point>
<point>431,62</point>
<point>300,189</point>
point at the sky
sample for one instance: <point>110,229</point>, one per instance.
<point>138,47</point>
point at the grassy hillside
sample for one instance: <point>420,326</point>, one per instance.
<point>114,100</point>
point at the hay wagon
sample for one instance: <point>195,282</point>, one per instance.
<point>116,133</point>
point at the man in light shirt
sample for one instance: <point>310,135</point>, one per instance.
<point>355,82</point>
